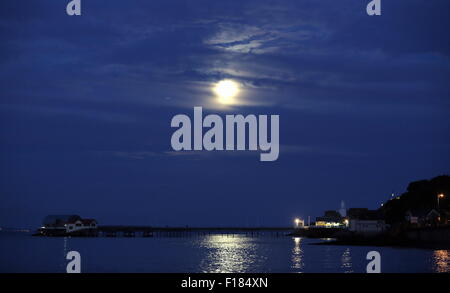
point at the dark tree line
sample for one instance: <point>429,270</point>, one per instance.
<point>421,196</point>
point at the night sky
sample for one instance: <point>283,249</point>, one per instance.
<point>86,104</point>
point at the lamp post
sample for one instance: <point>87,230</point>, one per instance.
<point>441,195</point>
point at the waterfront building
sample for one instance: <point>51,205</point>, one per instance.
<point>80,224</point>
<point>365,221</point>
<point>299,223</point>
<point>424,217</point>
<point>329,220</point>
<point>59,225</point>
<point>367,226</point>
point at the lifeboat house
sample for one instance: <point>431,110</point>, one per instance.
<point>68,225</point>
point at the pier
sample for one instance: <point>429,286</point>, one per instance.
<point>74,225</point>
<point>149,231</point>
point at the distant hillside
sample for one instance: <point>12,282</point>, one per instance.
<point>420,195</point>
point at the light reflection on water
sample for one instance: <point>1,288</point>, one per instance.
<point>239,253</point>
<point>210,253</point>
<point>346,261</point>
<point>441,260</point>
<point>297,254</point>
<point>229,254</point>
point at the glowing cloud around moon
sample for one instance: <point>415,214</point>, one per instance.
<point>226,91</point>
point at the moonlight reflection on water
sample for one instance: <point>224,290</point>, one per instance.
<point>229,254</point>
<point>209,253</point>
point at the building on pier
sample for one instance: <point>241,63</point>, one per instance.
<point>66,225</point>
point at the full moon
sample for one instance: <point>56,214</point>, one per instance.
<point>226,91</point>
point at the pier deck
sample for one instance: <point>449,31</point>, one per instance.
<point>149,231</point>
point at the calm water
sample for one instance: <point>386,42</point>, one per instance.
<point>211,253</point>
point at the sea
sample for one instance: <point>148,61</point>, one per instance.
<point>211,253</point>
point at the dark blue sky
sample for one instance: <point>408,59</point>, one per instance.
<point>86,104</point>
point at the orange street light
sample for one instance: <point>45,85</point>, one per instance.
<point>440,195</point>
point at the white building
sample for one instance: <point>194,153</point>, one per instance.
<point>80,224</point>
<point>299,223</point>
<point>367,226</point>
<point>63,224</point>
